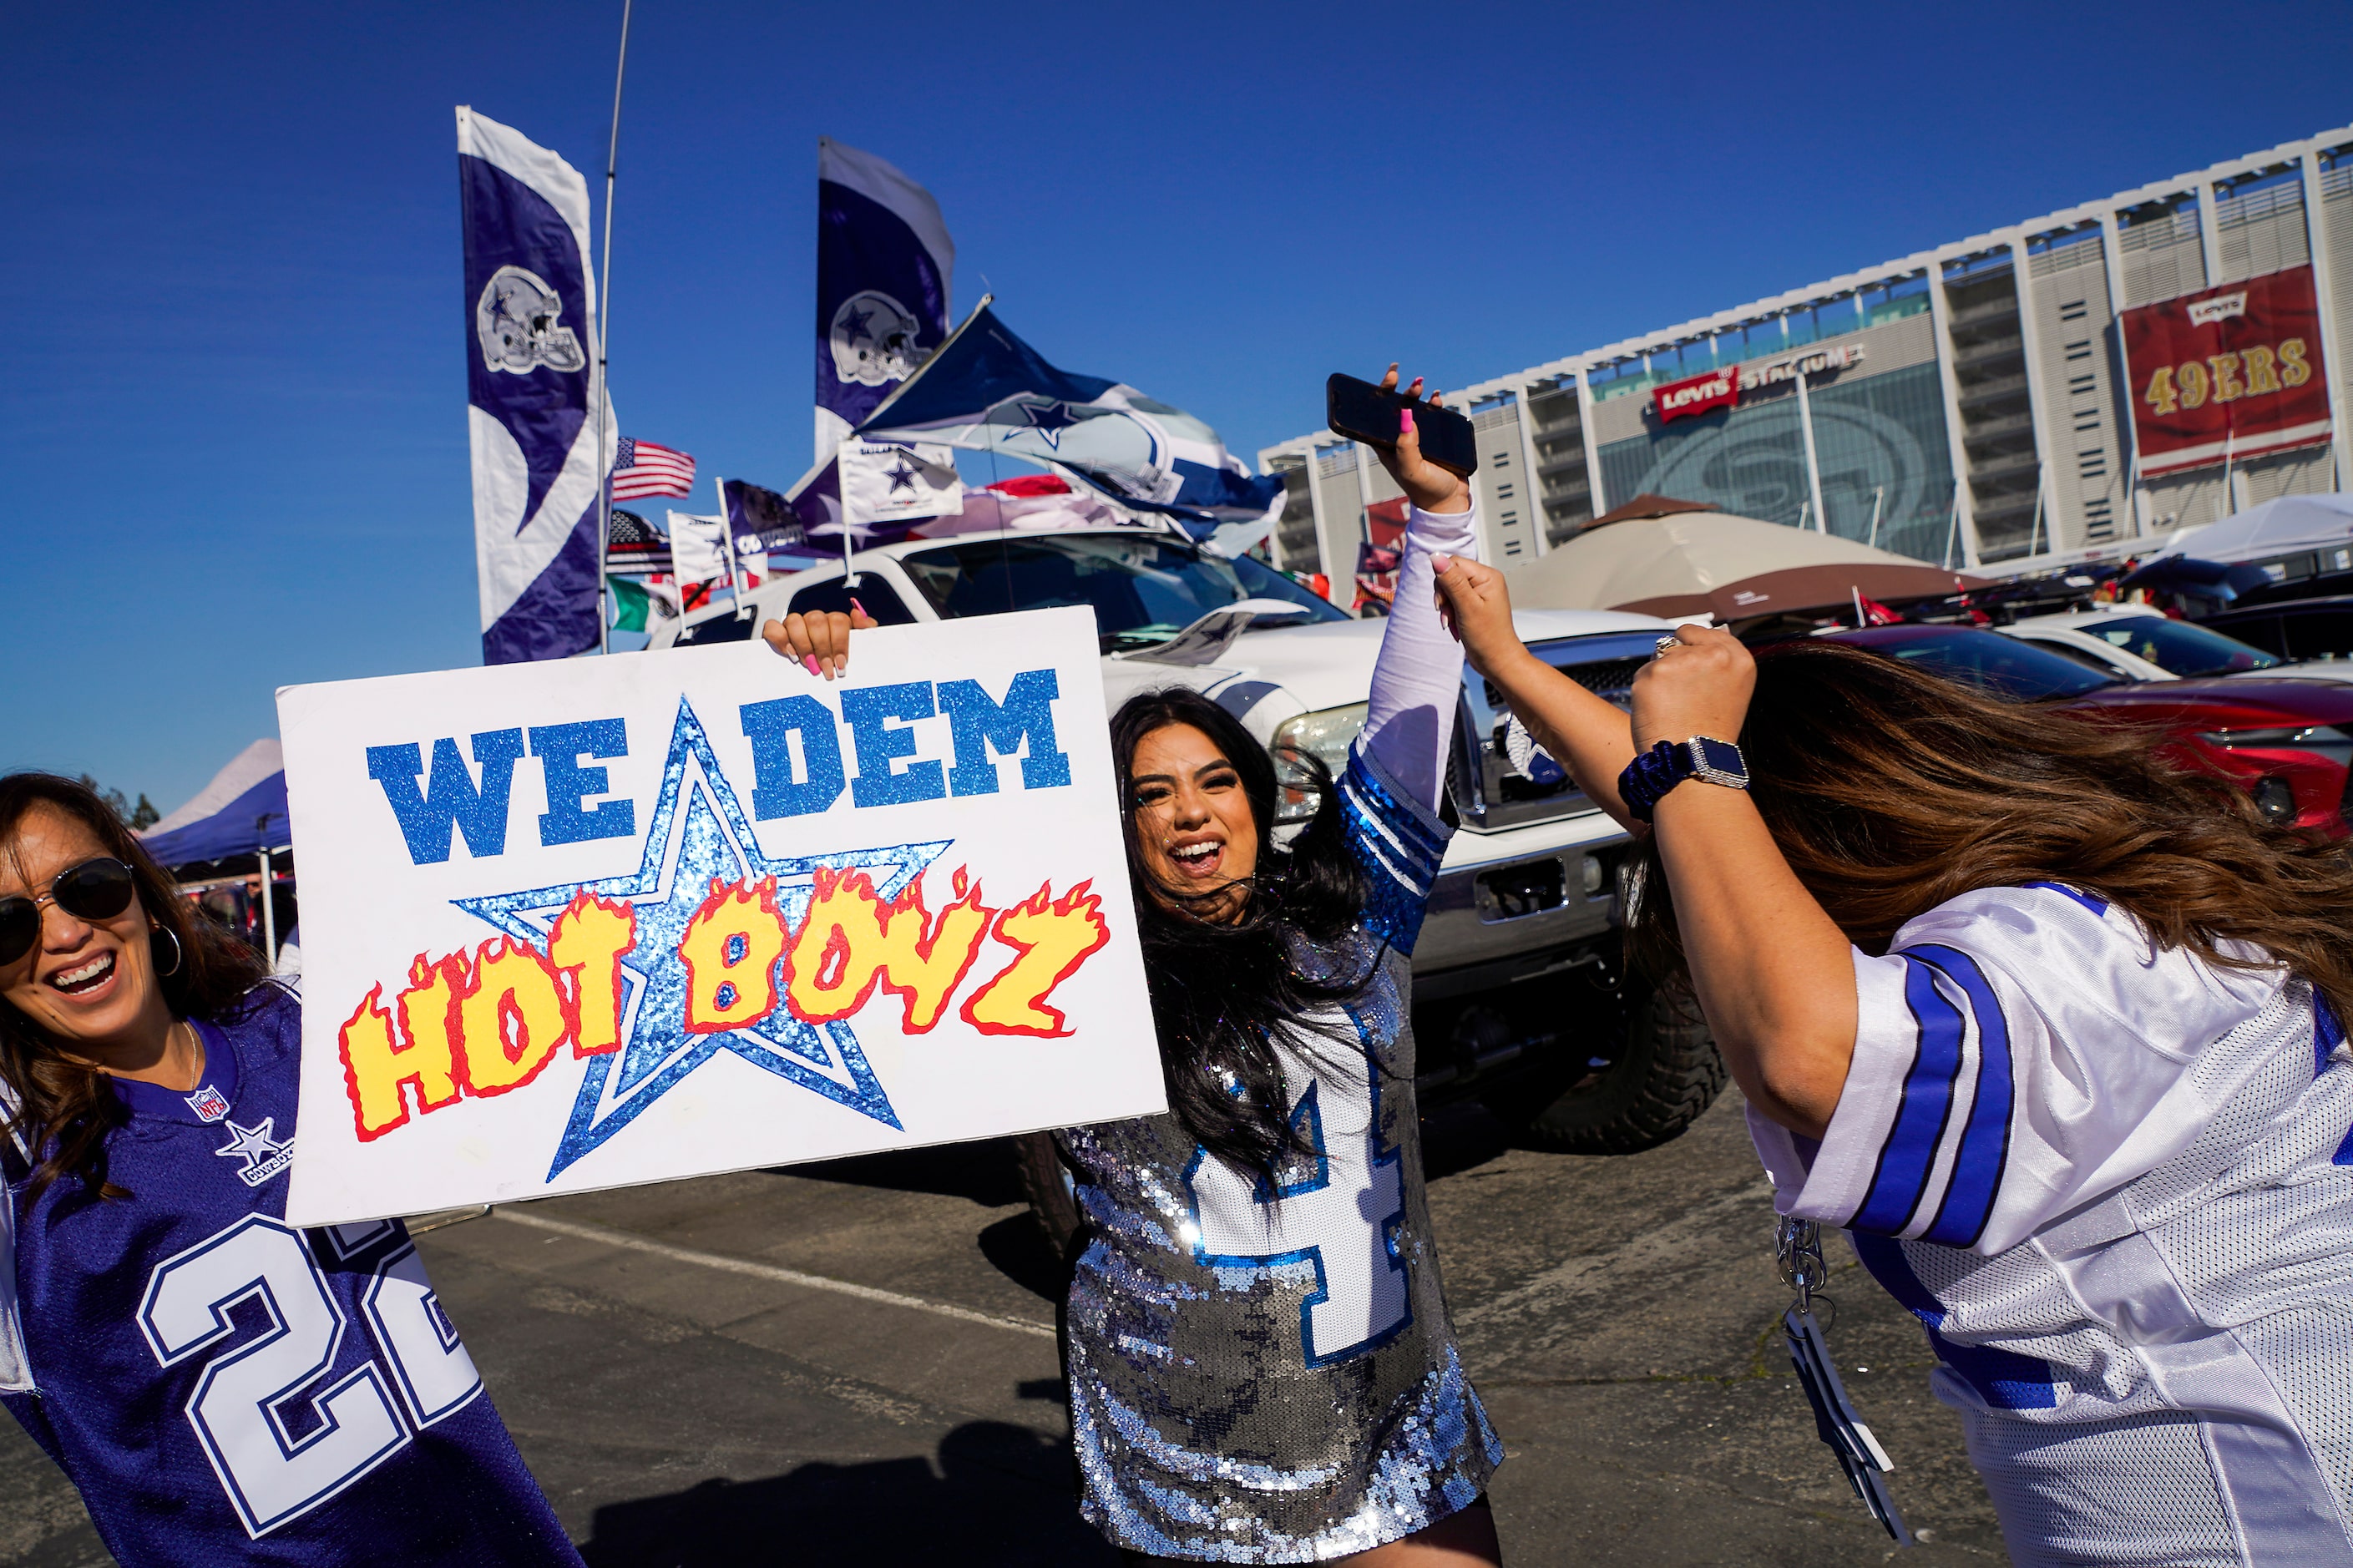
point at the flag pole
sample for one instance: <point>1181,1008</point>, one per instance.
<point>603,331</point>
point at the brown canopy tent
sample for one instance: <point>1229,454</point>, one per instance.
<point>1659,556</point>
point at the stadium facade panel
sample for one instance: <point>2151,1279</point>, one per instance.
<point>2076,386</point>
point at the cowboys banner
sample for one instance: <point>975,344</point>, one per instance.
<point>572,925</point>
<point>530,356</point>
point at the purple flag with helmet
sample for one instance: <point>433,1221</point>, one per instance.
<point>530,353</point>
<point>884,263</point>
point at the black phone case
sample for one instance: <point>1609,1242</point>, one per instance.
<point>1448,439</point>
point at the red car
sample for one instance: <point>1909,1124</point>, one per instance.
<point>2288,742</point>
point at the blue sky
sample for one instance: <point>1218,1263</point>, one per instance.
<point>231,376</point>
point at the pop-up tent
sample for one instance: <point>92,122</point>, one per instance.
<point>240,814</point>
<point>1659,556</point>
<point>2281,527</point>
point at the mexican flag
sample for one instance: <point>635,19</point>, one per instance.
<point>640,605</point>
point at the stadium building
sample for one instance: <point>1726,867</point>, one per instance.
<point>2074,386</point>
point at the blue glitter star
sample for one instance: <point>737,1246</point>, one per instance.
<point>699,833</point>
<point>1049,420</point>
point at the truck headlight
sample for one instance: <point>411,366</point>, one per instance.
<point>1326,735</point>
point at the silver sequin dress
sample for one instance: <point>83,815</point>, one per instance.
<point>1278,1382</point>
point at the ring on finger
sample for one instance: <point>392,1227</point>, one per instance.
<point>1666,645</point>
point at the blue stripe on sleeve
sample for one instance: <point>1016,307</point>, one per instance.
<point>2003,1379</point>
<point>1979,1163</point>
<point>1398,852</point>
<point>2328,1032</point>
<point>2098,906</point>
<point>1901,1180</point>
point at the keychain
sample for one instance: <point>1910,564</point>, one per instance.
<point>1798,1249</point>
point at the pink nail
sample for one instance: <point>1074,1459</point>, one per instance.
<point>810,660</point>
<point>859,608</point>
<point>1405,421</point>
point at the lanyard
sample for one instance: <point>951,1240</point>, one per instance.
<point>1798,1249</point>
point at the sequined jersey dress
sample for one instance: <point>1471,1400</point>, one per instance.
<point>1265,1376</point>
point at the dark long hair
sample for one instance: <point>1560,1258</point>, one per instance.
<point>64,1109</point>
<point>1890,791</point>
<point>1223,995</point>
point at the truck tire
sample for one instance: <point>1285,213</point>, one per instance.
<point>1038,1166</point>
<point>1666,1074</point>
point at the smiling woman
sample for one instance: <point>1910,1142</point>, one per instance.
<point>147,1073</point>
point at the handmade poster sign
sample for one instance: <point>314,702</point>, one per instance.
<point>584,923</point>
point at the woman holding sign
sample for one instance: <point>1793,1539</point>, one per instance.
<point>1262,1369</point>
<point>2052,1030</point>
<point>219,1386</point>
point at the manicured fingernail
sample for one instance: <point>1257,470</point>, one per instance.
<point>859,608</point>
<point>1405,421</point>
<point>1439,563</point>
<point>811,659</point>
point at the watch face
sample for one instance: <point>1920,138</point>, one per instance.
<point>1721,755</point>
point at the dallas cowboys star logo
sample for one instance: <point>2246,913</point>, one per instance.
<point>854,320</point>
<point>264,1156</point>
<point>1048,419</point>
<point>900,476</point>
<point>700,833</point>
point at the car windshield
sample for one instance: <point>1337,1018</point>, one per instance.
<point>2003,665</point>
<point>2178,646</point>
<point>1144,588</point>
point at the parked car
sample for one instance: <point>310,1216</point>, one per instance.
<point>2314,629</point>
<point>2142,644</point>
<point>1521,998</point>
<point>2288,741</point>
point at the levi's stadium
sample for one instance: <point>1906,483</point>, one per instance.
<point>2073,387</point>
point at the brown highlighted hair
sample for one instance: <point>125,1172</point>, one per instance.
<point>65,1109</point>
<point>1890,790</point>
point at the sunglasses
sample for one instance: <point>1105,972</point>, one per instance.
<point>97,890</point>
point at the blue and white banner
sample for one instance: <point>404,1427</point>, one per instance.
<point>884,263</point>
<point>988,390</point>
<point>530,355</point>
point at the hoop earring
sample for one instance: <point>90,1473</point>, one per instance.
<point>179,954</point>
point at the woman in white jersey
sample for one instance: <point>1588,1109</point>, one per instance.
<point>1262,1369</point>
<point>2051,1030</point>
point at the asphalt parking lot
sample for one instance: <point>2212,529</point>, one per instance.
<point>855,1364</point>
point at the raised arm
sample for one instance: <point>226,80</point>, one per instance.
<point>1417,678</point>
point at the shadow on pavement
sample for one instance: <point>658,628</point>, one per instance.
<point>981,1170</point>
<point>999,1495</point>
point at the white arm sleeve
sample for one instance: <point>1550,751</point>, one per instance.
<point>2019,1052</point>
<point>15,1371</point>
<point>1417,681</point>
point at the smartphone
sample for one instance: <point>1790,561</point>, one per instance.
<point>1363,412</point>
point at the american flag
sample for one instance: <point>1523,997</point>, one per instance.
<point>642,468</point>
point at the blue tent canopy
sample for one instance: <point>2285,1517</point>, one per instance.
<point>241,812</point>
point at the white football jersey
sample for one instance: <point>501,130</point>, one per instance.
<point>2115,1183</point>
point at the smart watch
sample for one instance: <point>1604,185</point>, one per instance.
<point>1649,776</point>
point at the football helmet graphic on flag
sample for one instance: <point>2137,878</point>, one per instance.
<point>518,318</point>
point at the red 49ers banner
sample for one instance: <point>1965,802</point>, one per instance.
<point>2227,372</point>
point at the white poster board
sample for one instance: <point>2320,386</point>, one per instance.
<point>592,922</point>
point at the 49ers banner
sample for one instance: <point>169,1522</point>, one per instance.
<point>2227,372</point>
<point>583,924</point>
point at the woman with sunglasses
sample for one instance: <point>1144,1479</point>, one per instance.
<point>219,1386</point>
<point>1261,1364</point>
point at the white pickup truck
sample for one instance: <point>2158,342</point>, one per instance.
<point>1521,999</point>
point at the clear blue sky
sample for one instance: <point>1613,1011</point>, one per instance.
<point>231,377</point>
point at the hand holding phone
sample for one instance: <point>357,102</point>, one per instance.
<point>1440,448</point>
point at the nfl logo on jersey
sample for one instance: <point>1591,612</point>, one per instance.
<point>208,1103</point>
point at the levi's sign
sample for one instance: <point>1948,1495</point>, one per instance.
<point>1721,388</point>
<point>592,922</point>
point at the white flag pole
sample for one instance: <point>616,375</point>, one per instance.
<point>604,332</point>
<point>727,541</point>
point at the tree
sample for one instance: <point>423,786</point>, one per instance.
<point>143,815</point>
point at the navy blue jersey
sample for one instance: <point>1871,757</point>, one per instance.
<point>223,1388</point>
